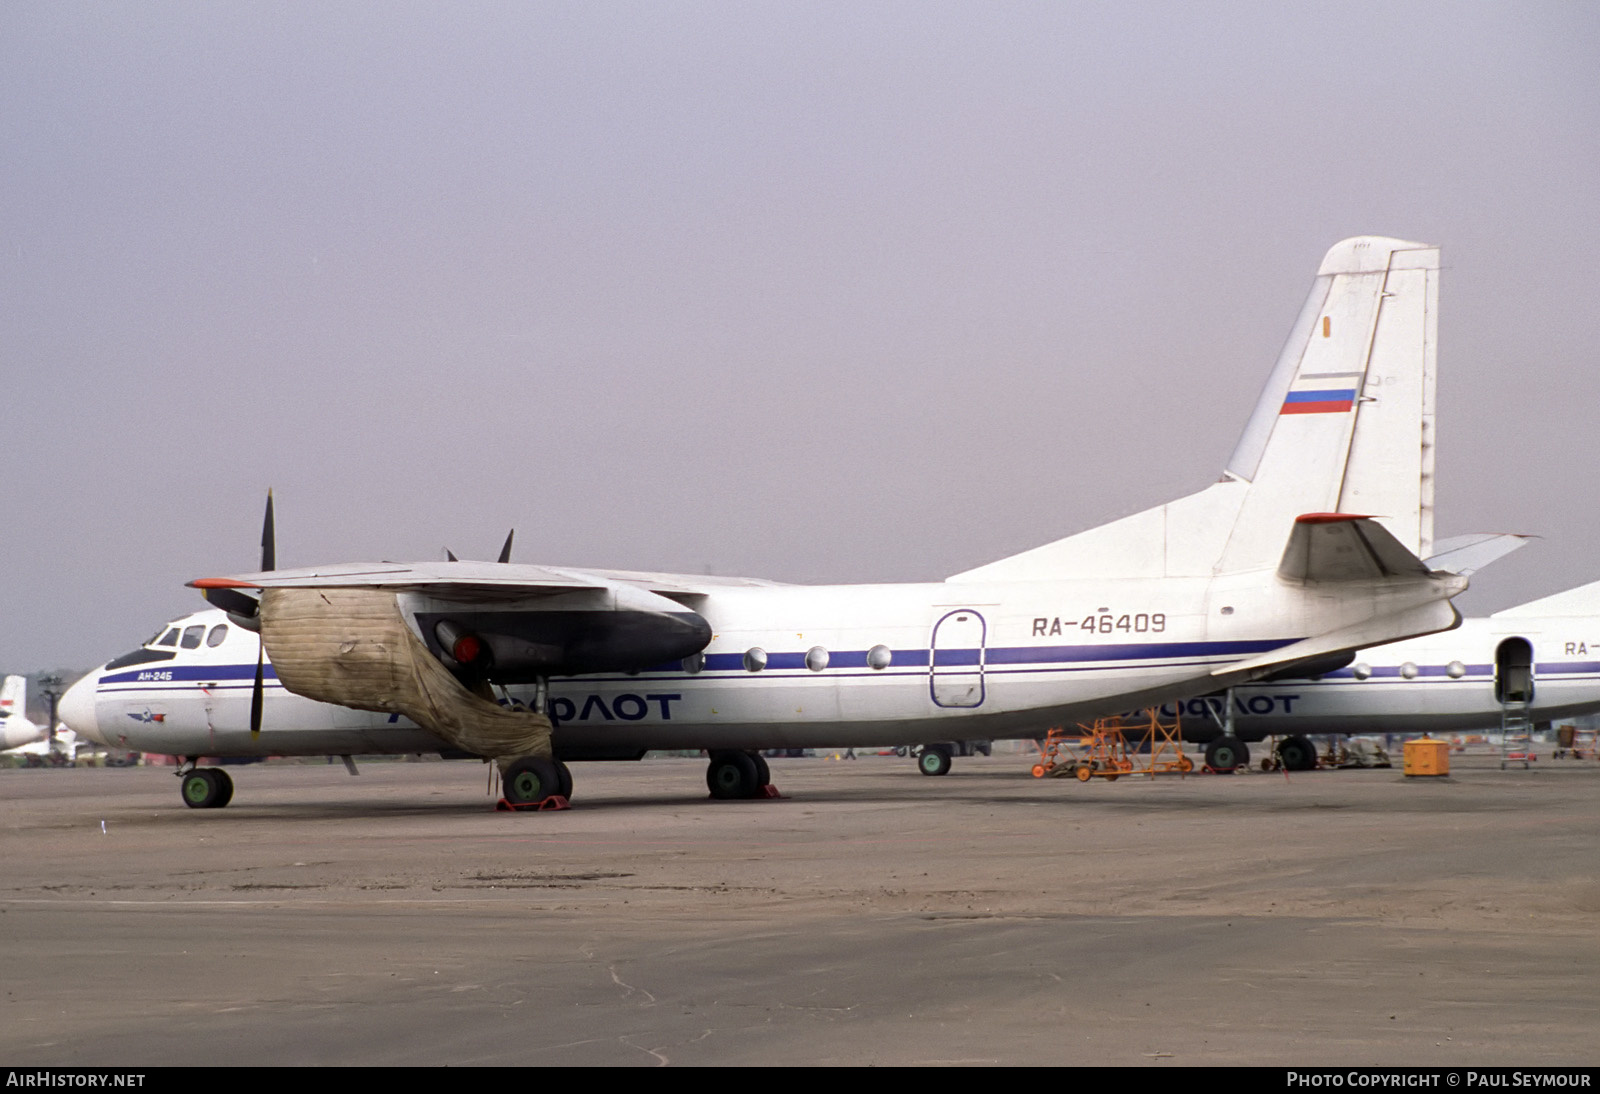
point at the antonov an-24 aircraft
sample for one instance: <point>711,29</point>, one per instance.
<point>1309,548</point>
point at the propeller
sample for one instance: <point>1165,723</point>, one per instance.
<point>269,538</point>
<point>269,561</point>
<point>505,551</point>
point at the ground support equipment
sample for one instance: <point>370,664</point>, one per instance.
<point>550,804</point>
<point>1100,750</point>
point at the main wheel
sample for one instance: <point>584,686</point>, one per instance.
<point>1297,754</point>
<point>763,772</point>
<point>531,780</point>
<point>1227,754</point>
<point>200,788</point>
<point>934,760</point>
<point>563,780</point>
<point>224,787</point>
<point>732,775</point>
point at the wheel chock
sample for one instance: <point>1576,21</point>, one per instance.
<point>762,794</point>
<point>550,804</point>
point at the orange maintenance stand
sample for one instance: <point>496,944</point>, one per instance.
<point>1100,751</point>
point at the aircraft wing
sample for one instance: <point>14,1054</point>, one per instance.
<point>528,622</point>
<point>471,580</point>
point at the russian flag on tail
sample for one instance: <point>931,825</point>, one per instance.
<point>1319,401</point>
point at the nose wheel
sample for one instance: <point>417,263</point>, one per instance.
<point>534,783</point>
<point>206,788</point>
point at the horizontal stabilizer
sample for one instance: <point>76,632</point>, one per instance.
<point>1469,554</point>
<point>1343,547</point>
<point>1440,615</point>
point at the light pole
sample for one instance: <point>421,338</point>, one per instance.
<point>50,685</point>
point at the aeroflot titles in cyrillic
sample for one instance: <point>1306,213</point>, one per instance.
<point>593,707</point>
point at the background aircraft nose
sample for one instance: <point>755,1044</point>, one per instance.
<point>77,708</point>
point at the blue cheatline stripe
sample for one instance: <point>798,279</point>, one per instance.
<point>1130,651</point>
<point>172,673</point>
<point>1320,396</point>
<point>1566,667</point>
<point>841,659</point>
<point>1003,655</point>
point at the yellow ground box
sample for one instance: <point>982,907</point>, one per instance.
<point>1425,756</point>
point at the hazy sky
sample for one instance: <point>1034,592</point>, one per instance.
<point>816,292</point>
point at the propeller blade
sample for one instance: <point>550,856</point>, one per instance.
<point>256,692</point>
<point>269,539</point>
<point>505,552</point>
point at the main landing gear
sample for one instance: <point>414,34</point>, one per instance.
<point>734,775</point>
<point>534,782</point>
<point>934,760</point>
<point>204,787</point>
<point>1297,754</point>
<point>1227,754</point>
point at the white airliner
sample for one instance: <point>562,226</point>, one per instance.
<point>1308,549</point>
<point>1542,657</point>
<point>1452,681</point>
<point>16,731</point>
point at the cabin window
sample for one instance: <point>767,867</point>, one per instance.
<point>755,659</point>
<point>218,633</point>
<point>694,663</point>
<point>879,657</point>
<point>816,659</point>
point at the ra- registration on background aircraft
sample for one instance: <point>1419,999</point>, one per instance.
<point>1309,547</point>
<point>1539,661</point>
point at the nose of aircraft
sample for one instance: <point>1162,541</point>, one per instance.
<point>77,708</point>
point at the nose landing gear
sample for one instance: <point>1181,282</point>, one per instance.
<point>204,787</point>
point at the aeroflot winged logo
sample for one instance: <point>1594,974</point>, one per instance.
<point>146,716</point>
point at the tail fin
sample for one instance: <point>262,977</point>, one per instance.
<point>1344,425</point>
<point>14,696</point>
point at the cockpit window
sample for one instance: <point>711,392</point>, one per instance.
<point>191,636</point>
<point>170,638</point>
<point>218,633</point>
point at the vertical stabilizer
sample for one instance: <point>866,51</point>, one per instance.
<point>14,696</point>
<point>1344,424</point>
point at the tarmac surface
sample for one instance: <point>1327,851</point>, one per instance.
<point>871,916</point>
